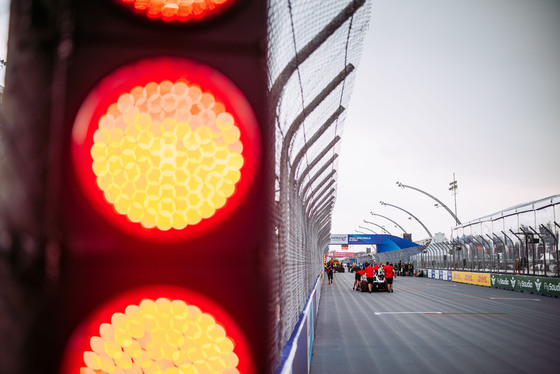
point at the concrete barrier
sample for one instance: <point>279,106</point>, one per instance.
<point>531,284</point>
<point>296,355</point>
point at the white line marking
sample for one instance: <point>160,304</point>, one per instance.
<point>512,298</point>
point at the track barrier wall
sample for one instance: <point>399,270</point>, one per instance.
<point>530,284</point>
<point>296,356</point>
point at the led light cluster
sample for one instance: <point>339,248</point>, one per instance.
<point>163,336</point>
<point>181,10</point>
<point>167,155</point>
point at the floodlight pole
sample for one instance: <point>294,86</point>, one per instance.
<point>365,228</point>
<point>433,197</point>
<point>399,226</point>
<point>410,214</point>
<point>381,227</point>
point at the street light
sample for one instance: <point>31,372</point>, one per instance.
<point>365,228</point>
<point>399,226</point>
<point>381,227</point>
<point>439,202</point>
<point>453,187</point>
<point>410,214</point>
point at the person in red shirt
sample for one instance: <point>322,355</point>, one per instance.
<point>358,279</point>
<point>388,269</point>
<point>375,268</point>
<point>369,276</point>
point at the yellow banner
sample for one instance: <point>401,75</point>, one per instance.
<point>480,279</point>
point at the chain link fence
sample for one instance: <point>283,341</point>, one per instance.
<point>313,50</point>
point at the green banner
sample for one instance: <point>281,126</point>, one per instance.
<point>541,285</point>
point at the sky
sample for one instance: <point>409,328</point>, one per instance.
<point>444,87</point>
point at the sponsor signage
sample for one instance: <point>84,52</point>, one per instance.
<point>361,239</point>
<point>342,254</point>
<point>339,239</point>
<point>384,243</point>
<point>480,279</point>
<point>540,285</point>
<point>445,275</point>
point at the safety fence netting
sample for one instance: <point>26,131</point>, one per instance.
<point>314,48</point>
<point>519,240</point>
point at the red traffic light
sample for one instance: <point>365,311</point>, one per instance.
<point>177,10</point>
<point>166,147</point>
<point>160,329</point>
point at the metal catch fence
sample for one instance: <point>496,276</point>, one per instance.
<point>313,50</point>
<point>519,240</point>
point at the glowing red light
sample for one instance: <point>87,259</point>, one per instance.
<point>166,145</point>
<point>158,329</point>
<point>177,10</point>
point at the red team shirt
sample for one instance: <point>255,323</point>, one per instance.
<point>388,269</point>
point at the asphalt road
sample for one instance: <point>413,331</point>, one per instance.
<point>433,326</point>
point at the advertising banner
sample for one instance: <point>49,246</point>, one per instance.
<point>540,285</point>
<point>479,279</point>
<point>537,285</point>
<point>362,239</point>
<point>340,254</point>
<point>339,239</point>
<point>446,275</point>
